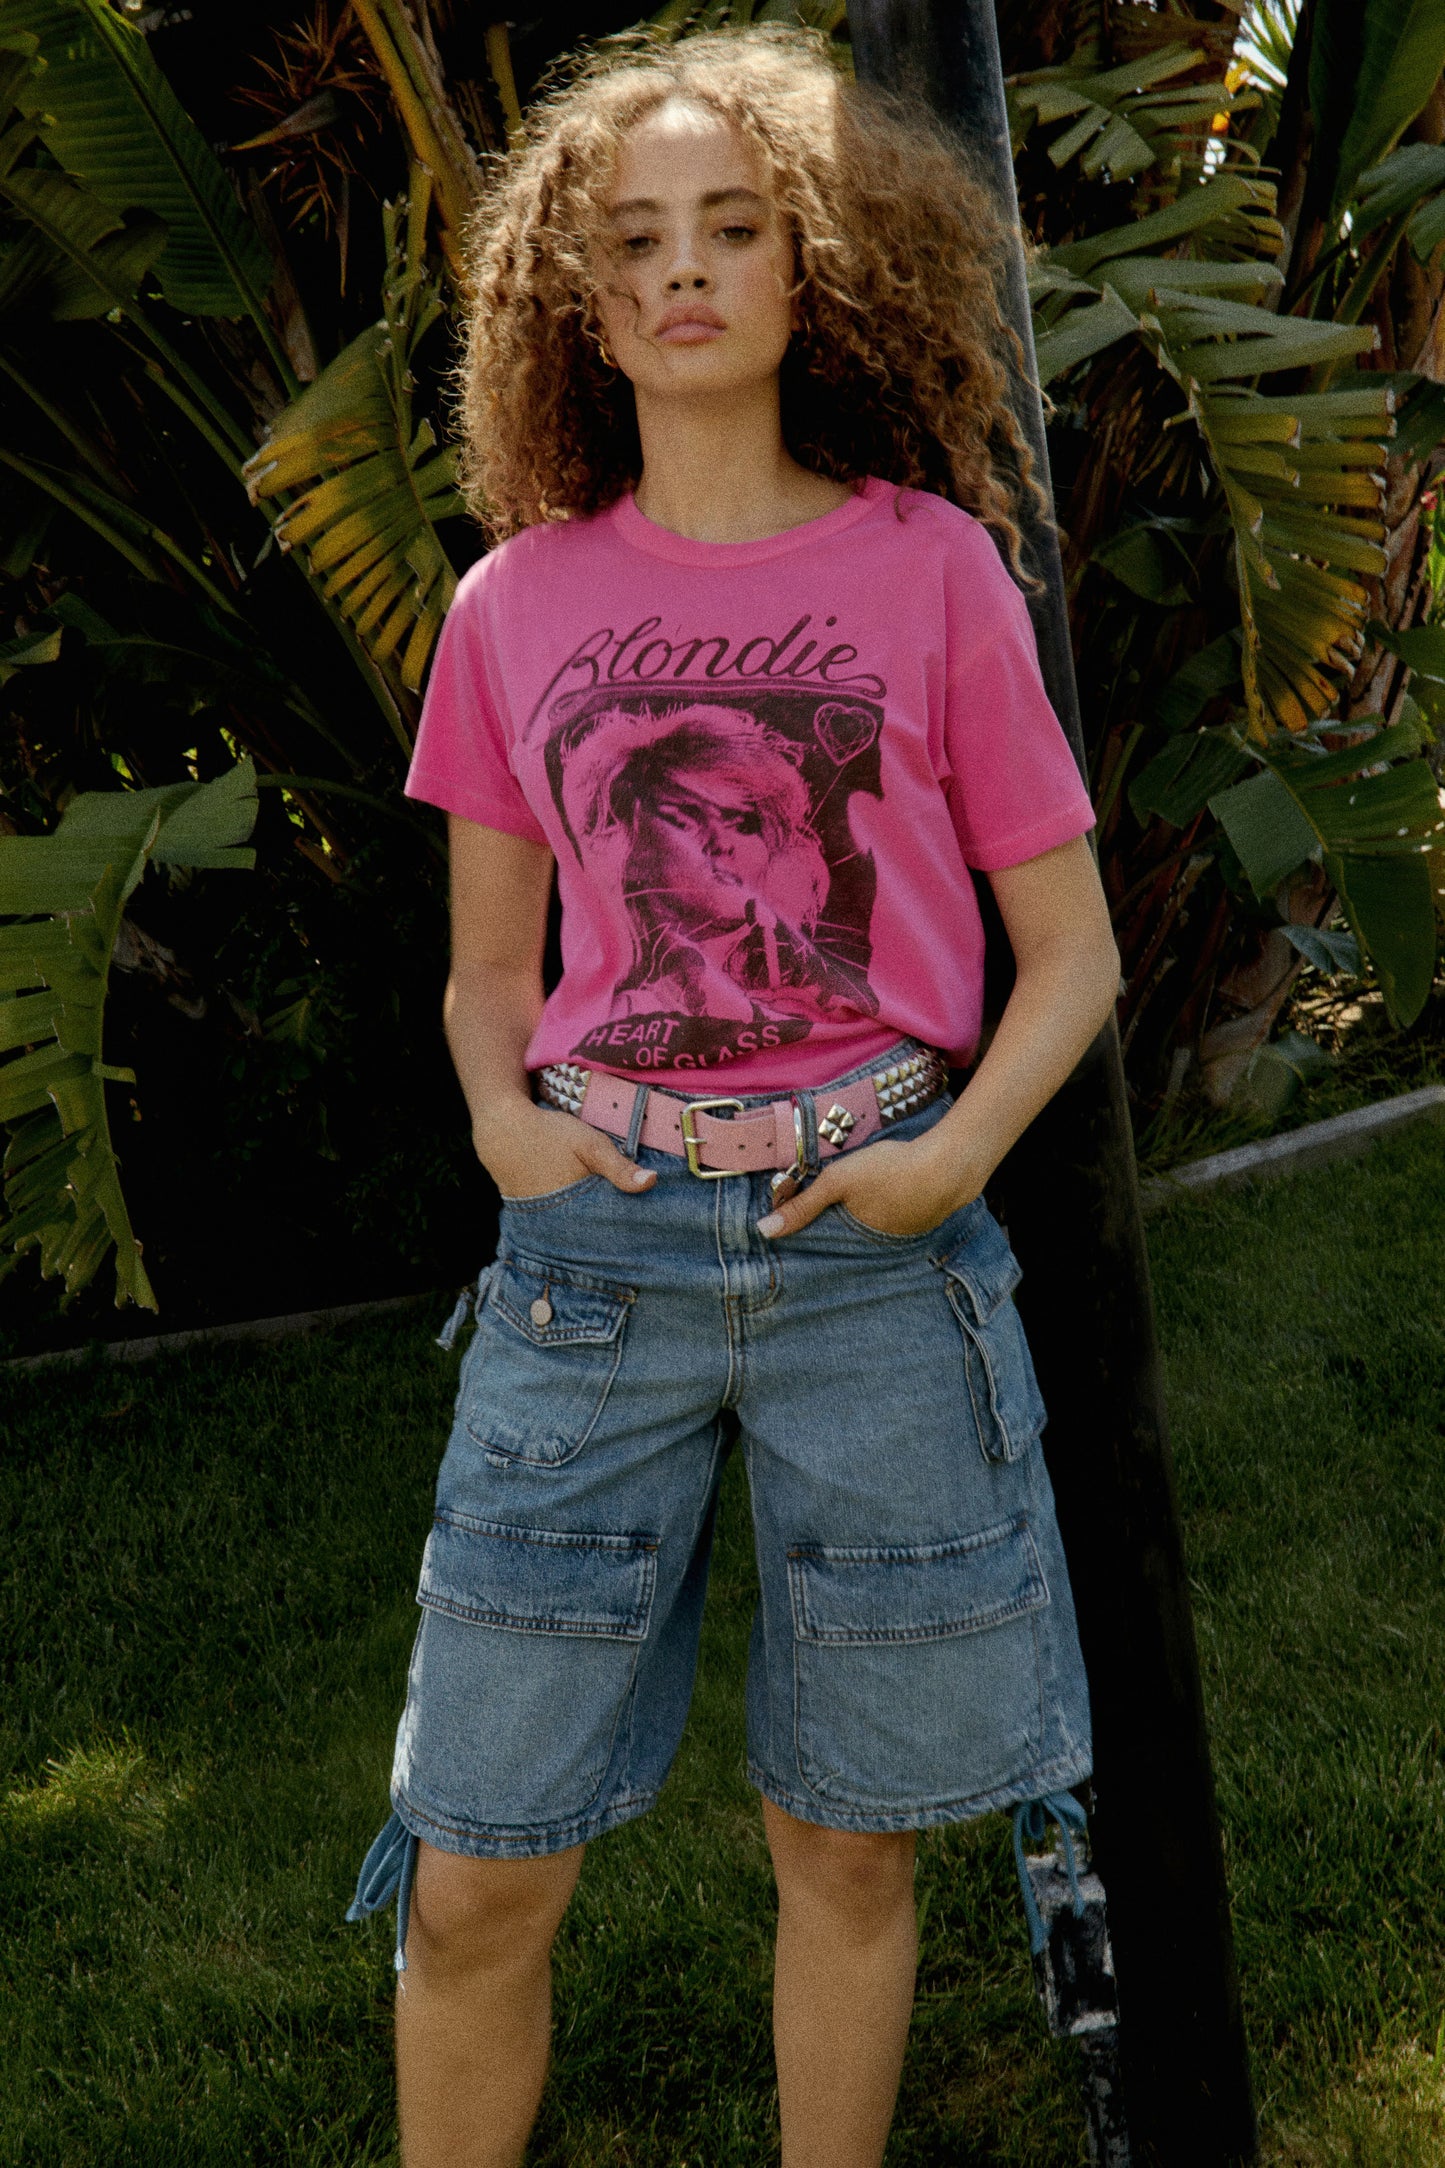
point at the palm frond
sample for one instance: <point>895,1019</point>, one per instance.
<point>370,484</point>
<point>1302,475</point>
<point>63,895</point>
<point>1304,484</point>
<point>1124,119</point>
<point>439,144</point>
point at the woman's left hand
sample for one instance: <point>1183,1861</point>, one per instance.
<point>894,1188</point>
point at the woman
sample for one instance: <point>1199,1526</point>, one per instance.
<point>748,670</point>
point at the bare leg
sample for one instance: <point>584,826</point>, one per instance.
<point>843,1988</point>
<point>474,2006</point>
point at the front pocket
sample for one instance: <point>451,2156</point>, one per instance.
<point>545,1197</point>
<point>917,1681</point>
<point>878,1234</point>
<point>1008,1409</point>
<point>522,1672</point>
<point>547,1347</point>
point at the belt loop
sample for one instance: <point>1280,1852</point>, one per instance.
<point>805,1129</point>
<point>634,1126</point>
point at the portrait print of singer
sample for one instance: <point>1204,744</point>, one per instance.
<point>707,819</point>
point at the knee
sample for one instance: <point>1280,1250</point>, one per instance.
<point>862,1874</point>
<point>485,1914</point>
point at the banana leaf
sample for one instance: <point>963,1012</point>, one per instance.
<point>1179,782</point>
<point>28,650</point>
<point>370,484</point>
<point>63,895</point>
<point>1370,818</point>
<point>1410,185</point>
<point>1373,65</point>
<point>113,122</point>
<point>1206,675</point>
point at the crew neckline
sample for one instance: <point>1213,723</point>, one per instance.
<point>645,534</point>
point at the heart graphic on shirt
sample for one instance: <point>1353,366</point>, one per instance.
<point>844,732</point>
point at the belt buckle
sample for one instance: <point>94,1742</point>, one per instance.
<point>692,1143</point>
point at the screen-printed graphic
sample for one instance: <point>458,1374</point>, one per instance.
<point>717,815</point>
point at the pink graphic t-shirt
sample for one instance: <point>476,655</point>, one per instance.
<point>764,770</point>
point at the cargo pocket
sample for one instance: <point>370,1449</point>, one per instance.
<point>547,1347</point>
<point>1008,1409</point>
<point>522,1671</point>
<point>917,1680</point>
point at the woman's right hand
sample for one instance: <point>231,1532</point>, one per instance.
<point>529,1150</point>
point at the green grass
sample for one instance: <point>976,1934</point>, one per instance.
<point>1304,1331</point>
<point>207,1621</point>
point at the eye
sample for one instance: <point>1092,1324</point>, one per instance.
<point>739,233</point>
<point>635,244</point>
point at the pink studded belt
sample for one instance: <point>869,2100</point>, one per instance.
<point>720,1136</point>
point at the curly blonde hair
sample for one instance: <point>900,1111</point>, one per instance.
<point>899,367</point>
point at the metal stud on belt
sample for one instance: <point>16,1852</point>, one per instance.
<point>905,1086</point>
<point>564,1085</point>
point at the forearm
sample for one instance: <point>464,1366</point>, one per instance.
<point>490,1012</point>
<point>1061,999</point>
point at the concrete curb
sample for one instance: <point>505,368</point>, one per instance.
<point>1342,1136</point>
<point>249,1328</point>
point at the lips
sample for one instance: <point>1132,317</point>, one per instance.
<point>688,323</point>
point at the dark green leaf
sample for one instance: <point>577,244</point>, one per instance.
<point>1410,174</point>
<point>1179,782</point>
<point>1328,948</point>
<point>117,126</point>
<point>1264,823</point>
<point>1146,563</point>
<point>1304,1055</point>
<point>1373,64</point>
<point>1390,906</point>
<point>1205,677</point>
<point>1419,421</point>
<point>1422,647</point>
<point>54,1094</point>
<point>30,648</point>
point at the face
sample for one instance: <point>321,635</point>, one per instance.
<point>706,847</point>
<point>693,287</point>
<point>716,834</point>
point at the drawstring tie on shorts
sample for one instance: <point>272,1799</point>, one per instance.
<point>388,1871</point>
<point>471,1298</point>
<point>1031,1820</point>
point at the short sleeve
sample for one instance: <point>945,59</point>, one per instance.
<point>1014,788</point>
<point>460,762</point>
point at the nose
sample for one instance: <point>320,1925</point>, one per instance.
<point>687,269</point>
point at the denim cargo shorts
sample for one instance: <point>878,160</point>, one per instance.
<point>914,1658</point>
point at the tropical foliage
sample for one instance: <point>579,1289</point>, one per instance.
<point>61,1182</point>
<point>231,532</point>
<point>1244,377</point>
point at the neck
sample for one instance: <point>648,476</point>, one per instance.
<point>719,471</point>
